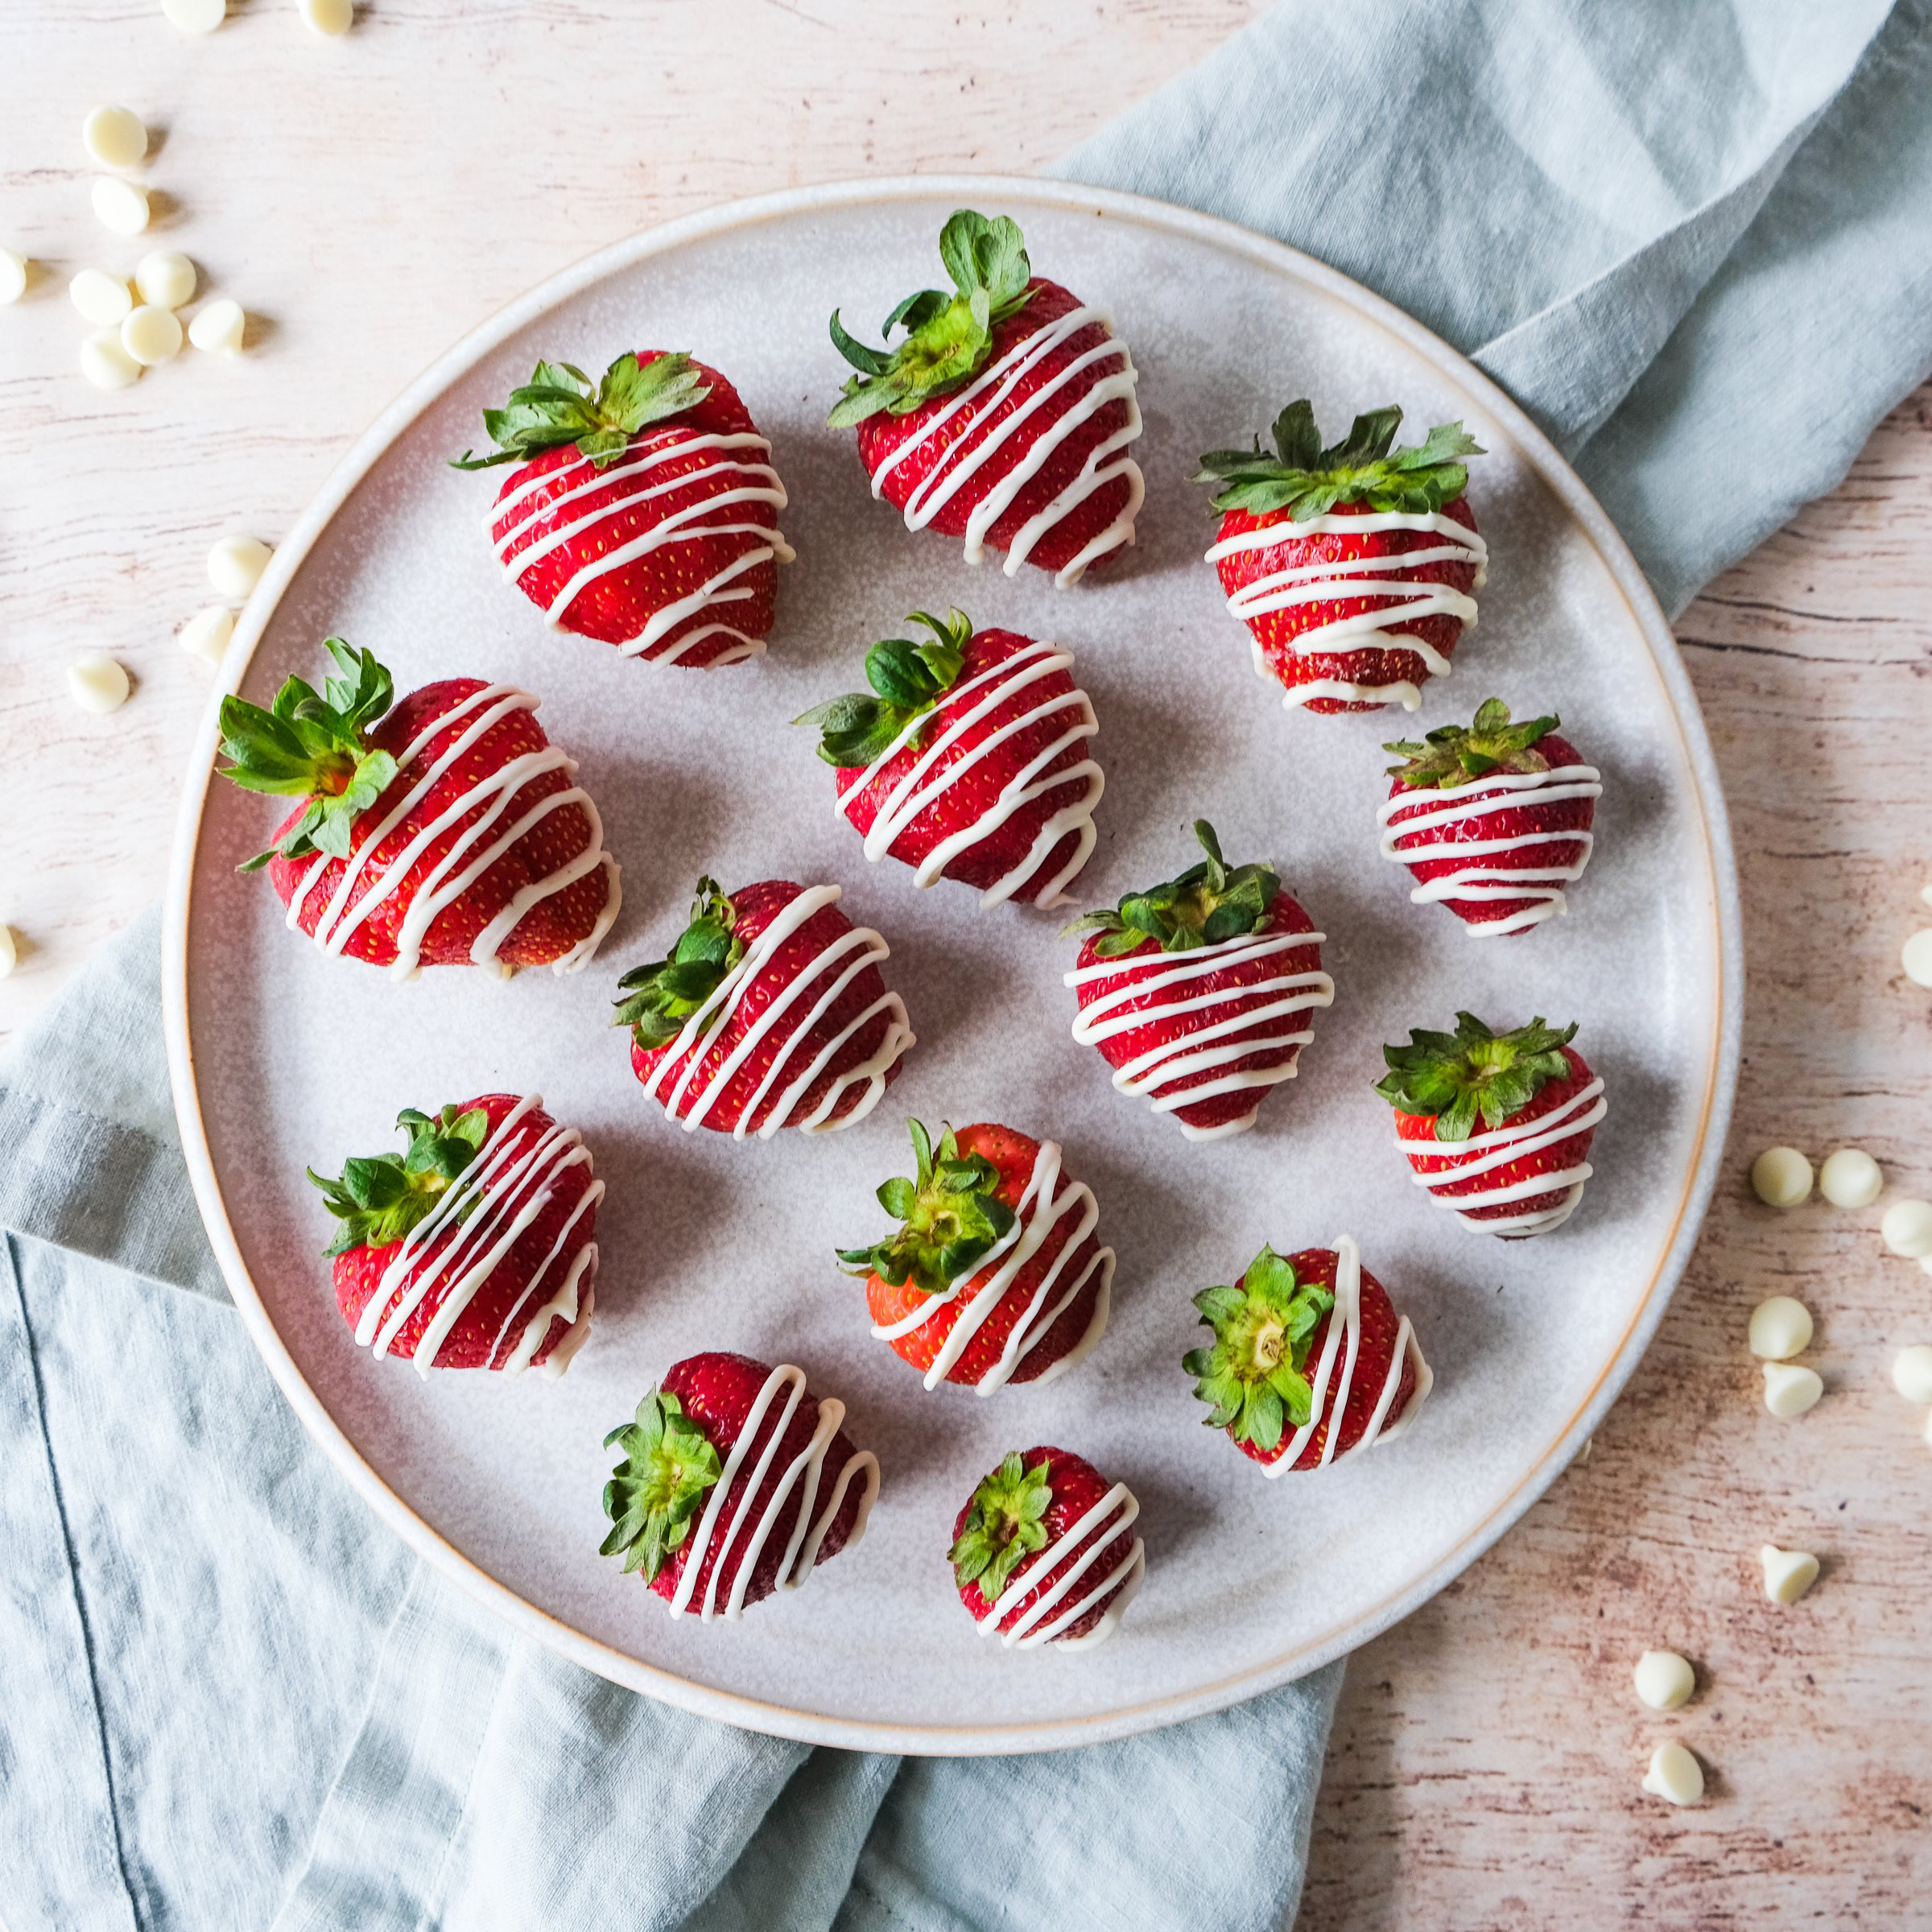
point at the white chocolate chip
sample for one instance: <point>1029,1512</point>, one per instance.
<point>10,951</point>
<point>106,363</point>
<point>1782,1177</point>
<point>102,298</point>
<point>220,325</point>
<point>194,16</point>
<point>1674,1774</point>
<point>1912,1373</point>
<point>330,17</point>
<point>121,205</point>
<point>1789,1391</point>
<point>115,137</point>
<point>1788,1573</point>
<point>235,565</point>
<point>165,278</point>
<point>1664,1681</point>
<point>13,276</point>
<point>1925,892</point>
<point>205,634</point>
<point>97,683</point>
<point>1850,1178</point>
<point>151,335</point>
<point>1781,1328</point>
<point>1907,1228</point>
<point>1916,958</point>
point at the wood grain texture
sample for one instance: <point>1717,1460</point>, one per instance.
<point>370,201</point>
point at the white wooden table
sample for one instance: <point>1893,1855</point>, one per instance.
<point>370,199</point>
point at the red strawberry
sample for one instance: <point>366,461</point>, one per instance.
<point>1194,991</point>
<point>1508,806</point>
<point>1539,1104</point>
<point>472,1249</point>
<point>1003,414</point>
<point>770,1013</point>
<point>1047,1537</point>
<point>970,762</point>
<point>735,1482</point>
<point>996,1274</point>
<point>1309,1361</point>
<point>444,833</point>
<point>1353,566</point>
<point>643,511</point>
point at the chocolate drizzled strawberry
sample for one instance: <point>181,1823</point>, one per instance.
<point>1309,1362</point>
<point>1044,1552</point>
<point>736,1481</point>
<point>967,760</point>
<point>643,509</point>
<point>1194,991</point>
<point>474,1247</point>
<point>1492,818</point>
<point>995,1274</point>
<point>1496,1126</point>
<point>1003,414</point>
<point>444,830</point>
<point>1353,567</point>
<point>768,1013</point>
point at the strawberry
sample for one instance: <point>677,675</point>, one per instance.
<point>1539,1105</point>
<point>1309,1361</point>
<point>1352,566</point>
<point>1193,991</point>
<point>736,1481</point>
<point>1042,1552</point>
<point>1003,414</point>
<point>642,510</point>
<point>444,831</point>
<point>769,1012</point>
<point>967,760</point>
<point>996,1274</point>
<point>1510,808</point>
<point>473,1248</point>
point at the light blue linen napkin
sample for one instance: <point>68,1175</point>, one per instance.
<point>1696,242</point>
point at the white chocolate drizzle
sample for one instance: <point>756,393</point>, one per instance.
<point>1158,1072</point>
<point>962,708</point>
<point>1064,1605</point>
<point>1425,816</point>
<point>1332,1378</point>
<point>1042,1207</point>
<point>732,479</point>
<point>472,852</point>
<point>797,1487</point>
<point>1390,577</point>
<point>1514,1141</point>
<point>502,1191</point>
<point>963,457</point>
<point>689,1101</point>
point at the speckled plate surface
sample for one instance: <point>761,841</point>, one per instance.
<point>283,1059</point>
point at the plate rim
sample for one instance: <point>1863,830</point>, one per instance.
<point>803,1724</point>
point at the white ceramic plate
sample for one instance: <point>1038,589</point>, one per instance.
<point>282,1058</point>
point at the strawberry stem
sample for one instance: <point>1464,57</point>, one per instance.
<point>948,338</point>
<point>1250,1376</point>
<point>1208,904</point>
<point>1306,480</point>
<point>314,747</point>
<point>560,404</point>
<point>1457,1076</point>
<point>908,678</point>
